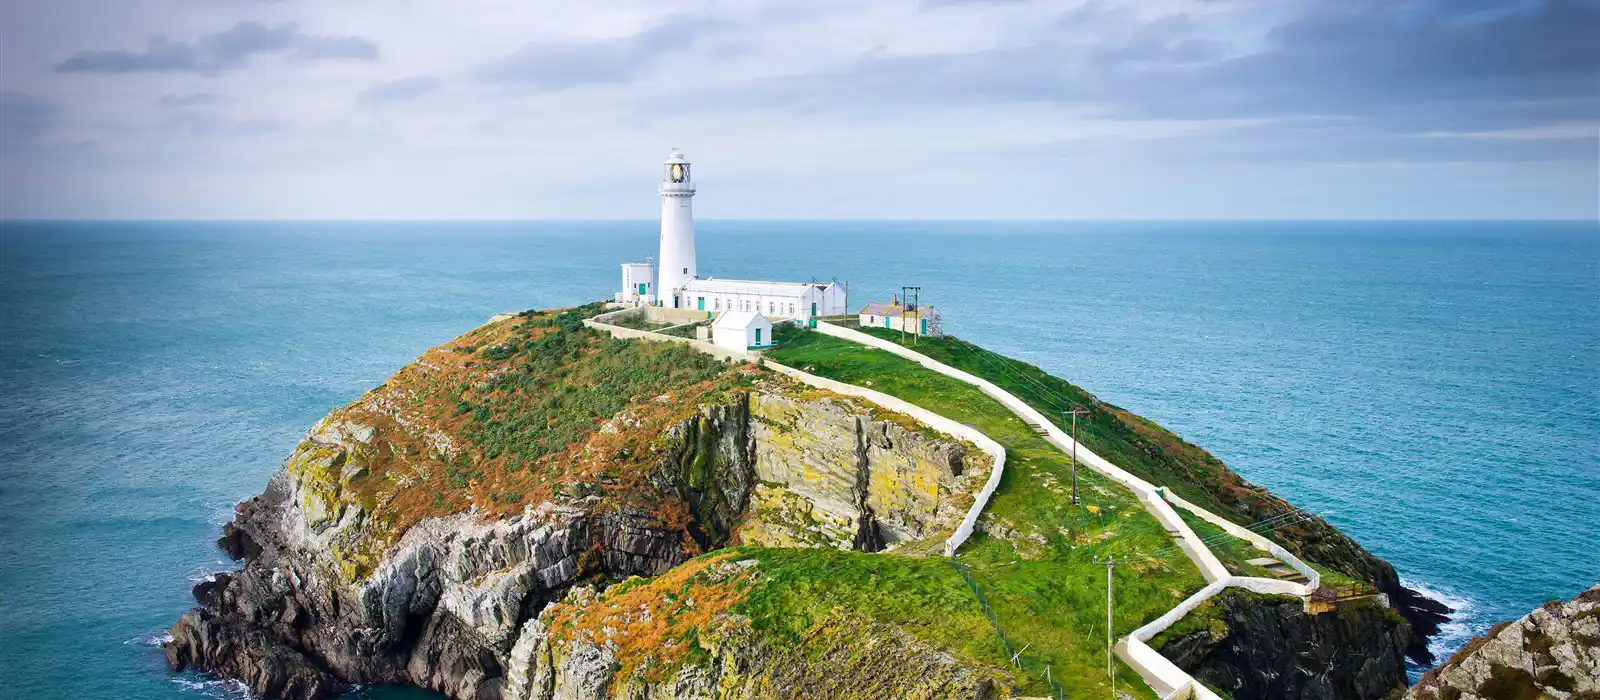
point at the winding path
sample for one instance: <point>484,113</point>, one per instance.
<point>1165,678</point>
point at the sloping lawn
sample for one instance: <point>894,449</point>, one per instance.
<point>1035,565</point>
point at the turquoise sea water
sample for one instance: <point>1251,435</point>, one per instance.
<point>1429,387</point>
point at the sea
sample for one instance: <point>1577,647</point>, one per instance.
<point>1428,387</point>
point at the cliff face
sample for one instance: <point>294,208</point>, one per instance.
<point>1266,647</point>
<point>354,572</point>
<point>536,512</point>
<point>1552,652</point>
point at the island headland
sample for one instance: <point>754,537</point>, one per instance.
<point>709,488</point>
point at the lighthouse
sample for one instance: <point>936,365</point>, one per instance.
<point>675,266</point>
<point>678,284</point>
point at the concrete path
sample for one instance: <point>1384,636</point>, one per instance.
<point>1165,678</point>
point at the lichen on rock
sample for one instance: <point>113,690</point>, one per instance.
<point>446,529</point>
<point>1552,652</point>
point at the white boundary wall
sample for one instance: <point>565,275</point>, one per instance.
<point>932,420</point>
<point>1210,567</point>
<point>1163,676</point>
<point>1169,681</point>
<point>1313,578</point>
<point>996,452</point>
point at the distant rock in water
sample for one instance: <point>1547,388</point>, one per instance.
<point>1552,652</point>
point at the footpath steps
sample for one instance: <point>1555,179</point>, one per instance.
<point>1165,678</point>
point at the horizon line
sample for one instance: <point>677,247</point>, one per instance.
<point>512,220</point>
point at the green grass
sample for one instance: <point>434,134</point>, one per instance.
<point>1152,453</point>
<point>1042,582</point>
<point>924,596</point>
<point>1234,552</point>
<point>1130,442</point>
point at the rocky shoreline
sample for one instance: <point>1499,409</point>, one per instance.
<point>389,551</point>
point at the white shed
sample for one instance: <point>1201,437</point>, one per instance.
<point>741,331</point>
<point>921,320</point>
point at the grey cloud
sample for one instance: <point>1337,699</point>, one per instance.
<point>1393,68</point>
<point>315,47</point>
<point>25,119</point>
<point>227,50</point>
<point>553,66</point>
<point>209,124</point>
<point>399,90</point>
<point>193,99</point>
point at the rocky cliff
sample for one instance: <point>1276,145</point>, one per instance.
<point>534,511</point>
<point>430,533</point>
<point>1552,652</point>
<point>1255,646</point>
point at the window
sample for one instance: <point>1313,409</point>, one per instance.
<point>716,304</point>
<point>686,271</point>
<point>769,309</point>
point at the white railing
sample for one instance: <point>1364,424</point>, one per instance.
<point>939,423</point>
<point>1163,676</point>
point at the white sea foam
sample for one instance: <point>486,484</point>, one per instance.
<point>154,639</point>
<point>209,571</point>
<point>208,688</point>
<point>1463,624</point>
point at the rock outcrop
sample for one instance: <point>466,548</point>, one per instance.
<point>536,512</point>
<point>1552,652</point>
<point>1257,647</point>
<point>338,589</point>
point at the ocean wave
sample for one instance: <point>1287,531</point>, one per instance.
<point>209,571</point>
<point>210,688</point>
<point>154,639</point>
<point>1464,623</point>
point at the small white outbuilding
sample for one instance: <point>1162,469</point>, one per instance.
<point>741,331</point>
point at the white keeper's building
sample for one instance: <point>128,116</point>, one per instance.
<point>677,283</point>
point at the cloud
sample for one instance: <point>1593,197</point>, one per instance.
<point>25,119</point>
<point>315,47</point>
<point>1392,68</point>
<point>558,65</point>
<point>193,99</point>
<point>224,51</point>
<point>399,90</point>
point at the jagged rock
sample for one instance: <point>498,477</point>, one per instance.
<point>322,602</point>
<point>1552,652</point>
<point>1269,647</point>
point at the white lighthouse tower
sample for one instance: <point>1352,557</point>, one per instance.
<point>675,266</point>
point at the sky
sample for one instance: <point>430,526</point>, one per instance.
<point>925,109</point>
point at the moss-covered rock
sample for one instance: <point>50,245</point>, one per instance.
<point>1552,652</point>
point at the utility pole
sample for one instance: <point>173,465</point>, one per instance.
<point>903,301</point>
<point>1076,411</point>
<point>845,321</point>
<point>1111,669</point>
<point>916,305</point>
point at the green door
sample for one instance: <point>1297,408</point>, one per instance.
<point>702,303</point>
<point>758,337</point>
<point>885,321</point>
<point>641,289</point>
<point>924,326</point>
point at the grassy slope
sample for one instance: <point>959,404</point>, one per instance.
<point>523,402</point>
<point>794,598</point>
<point>511,415</point>
<point>1155,454</point>
<point>1043,584</point>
